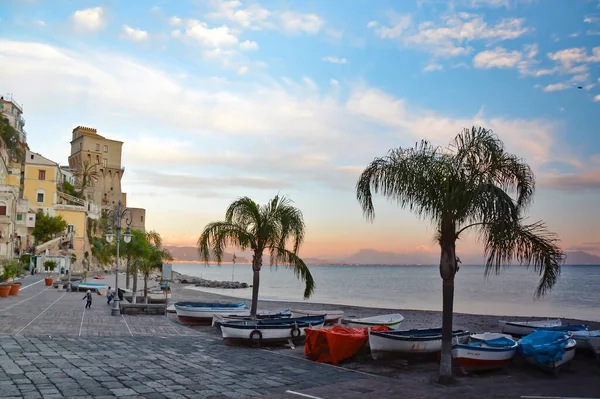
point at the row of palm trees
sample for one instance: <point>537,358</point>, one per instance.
<point>143,254</point>
<point>474,184</point>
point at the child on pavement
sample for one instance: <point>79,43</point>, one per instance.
<point>88,297</point>
<point>109,296</point>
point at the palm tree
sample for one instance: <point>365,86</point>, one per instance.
<point>102,250</point>
<point>86,175</point>
<point>269,227</point>
<point>472,184</point>
<point>152,260</point>
<point>130,251</point>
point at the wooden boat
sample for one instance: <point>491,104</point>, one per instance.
<point>484,354</point>
<point>411,341</point>
<point>391,320</point>
<point>521,328</point>
<point>154,296</point>
<point>549,350</point>
<point>198,313</point>
<point>270,329</point>
<point>587,340</point>
<point>486,336</point>
<point>219,318</point>
<point>337,343</point>
<point>331,316</point>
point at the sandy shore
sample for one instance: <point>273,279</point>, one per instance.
<point>412,318</point>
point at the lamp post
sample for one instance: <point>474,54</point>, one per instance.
<point>114,217</point>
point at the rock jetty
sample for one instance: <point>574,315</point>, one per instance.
<point>200,282</point>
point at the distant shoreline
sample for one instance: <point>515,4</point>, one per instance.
<point>178,261</point>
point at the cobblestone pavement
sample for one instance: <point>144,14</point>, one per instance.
<point>50,347</point>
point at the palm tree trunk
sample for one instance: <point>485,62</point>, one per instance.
<point>256,265</point>
<point>134,289</point>
<point>145,287</point>
<point>447,272</point>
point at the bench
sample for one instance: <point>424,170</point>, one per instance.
<point>147,308</point>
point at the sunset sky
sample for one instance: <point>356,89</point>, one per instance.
<point>219,99</point>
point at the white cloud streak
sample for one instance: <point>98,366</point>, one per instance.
<point>89,19</point>
<point>136,35</point>
<point>334,60</point>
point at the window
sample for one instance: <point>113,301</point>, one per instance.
<point>80,146</point>
<point>105,148</point>
<point>97,159</point>
<point>104,162</point>
<point>142,218</point>
<point>19,216</point>
<point>42,175</point>
<point>97,147</point>
<point>40,198</point>
<point>2,208</point>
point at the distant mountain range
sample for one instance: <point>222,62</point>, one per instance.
<point>375,257</point>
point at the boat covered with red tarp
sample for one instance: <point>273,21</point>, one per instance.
<point>335,344</point>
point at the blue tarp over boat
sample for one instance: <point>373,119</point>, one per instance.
<point>547,347</point>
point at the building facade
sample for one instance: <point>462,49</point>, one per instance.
<point>9,197</point>
<point>104,157</point>
<point>41,176</point>
<point>138,219</point>
<point>13,111</point>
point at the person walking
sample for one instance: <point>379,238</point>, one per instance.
<point>109,295</point>
<point>88,297</point>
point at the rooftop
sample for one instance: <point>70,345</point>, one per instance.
<point>9,98</point>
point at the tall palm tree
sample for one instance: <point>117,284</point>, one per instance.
<point>269,227</point>
<point>102,250</point>
<point>472,184</point>
<point>132,250</point>
<point>151,261</point>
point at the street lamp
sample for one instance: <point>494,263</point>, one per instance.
<point>114,217</point>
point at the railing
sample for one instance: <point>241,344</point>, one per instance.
<point>11,99</point>
<point>72,199</point>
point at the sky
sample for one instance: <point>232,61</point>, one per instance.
<point>217,99</point>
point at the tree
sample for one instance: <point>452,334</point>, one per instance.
<point>152,259</point>
<point>46,226</point>
<point>102,250</point>
<point>269,227</point>
<point>472,184</point>
<point>131,251</point>
<point>69,189</point>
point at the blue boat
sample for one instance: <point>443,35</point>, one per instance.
<point>549,350</point>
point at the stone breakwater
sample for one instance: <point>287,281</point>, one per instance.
<point>200,282</point>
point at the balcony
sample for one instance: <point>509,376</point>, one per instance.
<point>12,100</point>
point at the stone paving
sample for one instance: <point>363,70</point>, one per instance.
<point>51,347</point>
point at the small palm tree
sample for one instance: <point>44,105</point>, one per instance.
<point>473,184</point>
<point>269,227</point>
<point>152,261</point>
<point>86,175</point>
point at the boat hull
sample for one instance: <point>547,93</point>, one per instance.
<point>526,328</point>
<point>564,361</point>
<point>386,343</point>
<point>473,358</point>
<point>331,316</point>
<point>594,345</point>
<point>252,331</point>
<point>391,321</point>
<point>205,315</point>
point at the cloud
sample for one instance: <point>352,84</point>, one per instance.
<point>334,82</point>
<point>433,67</point>
<point>39,22</point>
<point>587,180</point>
<point>242,70</point>
<point>294,23</point>
<point>593,246</point>
<point>334,60</point>
<point>489,3</point>
<point>248,45</point>
<point>597,98</point>
<point>137,35</point>
<point>291,131</point>
<point>497,58</point>
<point>569,58</point>
<point>89,19</point>
<point>590,19</point>
<point>555,87</point>
<point>451,36</point>
<point>252,17</point>
<point>221,36</point>
<point>176,21</point>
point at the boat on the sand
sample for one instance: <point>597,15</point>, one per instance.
<point>588,340</point>
<point>270,329</point>
<point>390,320</point>
<point>219,318</point>
<point>201,312</point>
<point>492,352</point>
<point>336,344</point>
<point>332,316</point>
<point>549,350</point>
<point>417,341</point>
<point>521,328</point>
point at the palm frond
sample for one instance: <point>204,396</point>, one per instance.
<point>217,236</point>
<point>531,245</point>
<point>291,260</point>
<point>413,177</point>
<point>244,212</point>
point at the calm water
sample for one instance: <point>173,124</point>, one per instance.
<point>576,295</point>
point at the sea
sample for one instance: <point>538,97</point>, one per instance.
<point>512,292</point>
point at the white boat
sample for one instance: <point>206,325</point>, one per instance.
<point>331,316</point>
<point>521,328</point>
<point>196,313</point>
<point>564,360</point>
<point>411,341</point>
<point>493,352</point>
<point>487,336</point>
<point>219,318</point>
<point>391,320</point>
<point>270,329</point>
<point>588,340</point>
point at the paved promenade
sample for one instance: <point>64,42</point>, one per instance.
<point>51,347</point>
